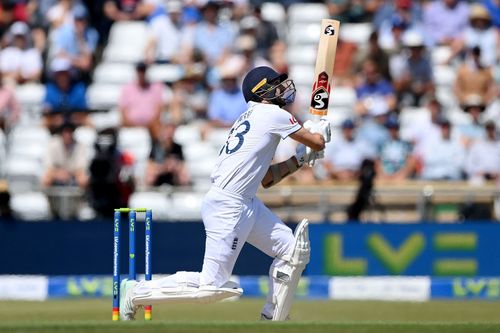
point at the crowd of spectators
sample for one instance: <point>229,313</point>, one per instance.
<point>58,43</point>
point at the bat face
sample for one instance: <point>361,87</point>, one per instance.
<point>324,67</point>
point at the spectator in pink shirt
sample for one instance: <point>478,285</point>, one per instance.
<point>141,102</point>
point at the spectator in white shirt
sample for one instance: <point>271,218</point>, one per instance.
<point>442,159</point>
<point>343,157</point>
<point>19,62</point>
<point>163,41</point>
<point>483,159</point>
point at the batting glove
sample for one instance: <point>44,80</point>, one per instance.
<point>322,127</point>
<point>304,154</point>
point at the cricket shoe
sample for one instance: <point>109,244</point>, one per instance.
<point>127,307</point>
<point>264,317</point>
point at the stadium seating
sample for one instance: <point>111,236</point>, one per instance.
<point>32,206</point>
<point>307,12</point>
<point>114,73</point>
<point>157,201</point>
<point>358,33</point>
<point>103,95</point>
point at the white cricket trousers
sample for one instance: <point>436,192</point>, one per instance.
<point>231,220</point>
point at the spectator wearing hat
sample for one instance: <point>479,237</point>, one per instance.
<point>388,9</point>
<point>445,20</point>
<point>211,38</point>
<point>373,89</point>
<point>395,18</point>
<point>66,160</point>
<point>473,131</point>
<point>483,158</point>
<point>411,71</point>
<point>166,160</point>
<point>226,102</point>
<point>19,62</point>
<point>442,158</point>
<point>481,33</point>
<point>473,78</point>
<point>343,157</point>
<point>396,160</point>
<point>141,102</point>
<point>77,41</point>
<point>65,97</point>
<point>189,96</point>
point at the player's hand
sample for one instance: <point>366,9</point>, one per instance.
<point>304,154</point>
<point>322,127</point>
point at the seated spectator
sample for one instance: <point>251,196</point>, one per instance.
<point>343,157</point>
<point>427,128</point>
<point>111,175</point>
<point>212,39</point>
<point>473,78</point>
<point>227,102</point>
<point>61,12</point>
<point>343,70</point>
<point>442,159</point>
<point>166,160</point>
<point>401,16</point>
<point>445,20</point>
<point>468,133</point>
<point>77,41</point>
<point>373,88</point>
<point>374,52</point>
<point>19,62</point>
<point>9,107</point>
<point>64,97</point>
<point>141,102</point>
<point>66,160</point>
<point>483,158</point>
<point>246,45</point>
<point>390,34</point>
<point>351,11</point>
<point>163,41</point>
<point>479,33</point>
<point>396,161</point>
<point>386,10</point>
<point>263,31</point>
<point>372,129</point>
<point>189,96</point>
<point>411,71</point>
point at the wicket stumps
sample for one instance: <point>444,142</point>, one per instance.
<point>132,215</point>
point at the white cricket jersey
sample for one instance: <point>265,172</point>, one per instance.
<point>247,154</point>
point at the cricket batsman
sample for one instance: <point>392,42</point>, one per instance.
<point>233,215</point>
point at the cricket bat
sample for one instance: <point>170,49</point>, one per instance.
<point>323,73</point>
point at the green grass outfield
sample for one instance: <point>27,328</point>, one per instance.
<point>94,315</point>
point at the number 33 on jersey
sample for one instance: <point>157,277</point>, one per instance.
<point>252,141</point>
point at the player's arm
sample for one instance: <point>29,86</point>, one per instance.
<point>277,172</point>
<point>315,141</point>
